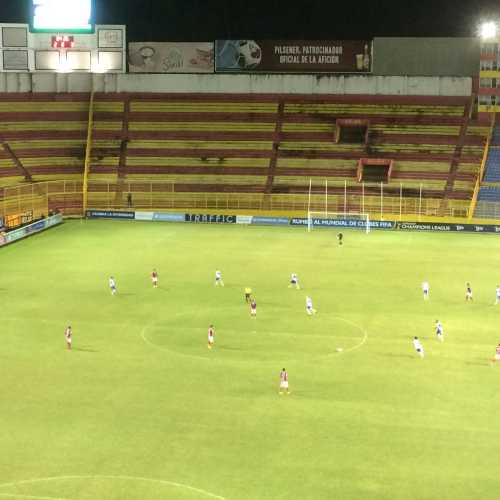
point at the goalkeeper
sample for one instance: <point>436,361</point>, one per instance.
<point>340,236</point>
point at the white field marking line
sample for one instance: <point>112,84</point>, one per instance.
<point>357,346</point>
<point>335,353</point>
<point>61,322</point>
<point>16,495</point>
<point>125,478</point>
<point>172,351</point>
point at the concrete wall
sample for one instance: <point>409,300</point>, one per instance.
<point>244,84</point>
<point>426,56</point>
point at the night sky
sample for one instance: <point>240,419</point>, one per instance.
<point>206,20</point>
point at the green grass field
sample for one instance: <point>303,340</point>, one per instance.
<point>141,409</point>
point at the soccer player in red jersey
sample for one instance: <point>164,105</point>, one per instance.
<point>284,382</point>
<point>253,308</point>
<point>68,334</point>
<point>154,278</point>
<point>211,336</point>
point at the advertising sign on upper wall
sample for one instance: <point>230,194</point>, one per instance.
<point>293,56</point>
<point>171,57</point>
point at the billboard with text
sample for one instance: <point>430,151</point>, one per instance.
<point>293,56</point>
<point>171,57</point>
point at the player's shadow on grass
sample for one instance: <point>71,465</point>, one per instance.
<point>84,349</point>
<point>478,362</point>
<point>230,348</point>
<point>394,355</point>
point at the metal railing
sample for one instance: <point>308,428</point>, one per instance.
<point>487,210</point>
<point>67,196</point>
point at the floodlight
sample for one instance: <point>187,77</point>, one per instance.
<point>64,66</point>
<point>488,30</point>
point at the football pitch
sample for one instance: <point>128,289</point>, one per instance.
<point>141,409</point>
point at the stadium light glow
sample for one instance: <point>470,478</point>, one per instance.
<point>488,30</point>
<point>62,15</point>
<point>64,66</point>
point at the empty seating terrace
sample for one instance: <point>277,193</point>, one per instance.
<point>43,136</point>
<point>489,193</point>
<point>248,144</point>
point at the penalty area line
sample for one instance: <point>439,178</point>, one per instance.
<point>163,482</point>
<point>17,495</point>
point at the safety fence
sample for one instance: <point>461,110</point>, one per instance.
<point>380,202</point>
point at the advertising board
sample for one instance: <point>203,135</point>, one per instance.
<point>210,218</point>
<point>171,57</point>
<point>293,56</point>
<point>109,214</point>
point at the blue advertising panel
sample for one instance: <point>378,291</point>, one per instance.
<point>168,217</point>
<point>109,214</point>
<point>22,232</point>
<point>271,221</point>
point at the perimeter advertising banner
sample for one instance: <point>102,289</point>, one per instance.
<point>171,57</point>
<point>293,56</point>
<point>445,227</point>
<point>347,223</point>
<point>22,232</point>
<point>210,218</point>
<point>109,214</point>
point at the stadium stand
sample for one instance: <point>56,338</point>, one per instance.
<point>43,136</point>
<point>488,199</point>
<point>274,144</point>
<point>260,145</point>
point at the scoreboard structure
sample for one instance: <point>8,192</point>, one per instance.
<point>101,51</point>
<point>61,36</point>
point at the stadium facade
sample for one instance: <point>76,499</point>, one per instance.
<point>395,126</point>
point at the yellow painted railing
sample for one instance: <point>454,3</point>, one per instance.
<point>67,196</point>
<point>480,175</point>
<point>88,151</point>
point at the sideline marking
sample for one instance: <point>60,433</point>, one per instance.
<point>269,332</point>
<point>16,495</point>
<point>125,478</point>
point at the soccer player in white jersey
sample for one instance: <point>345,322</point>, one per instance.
<point>294,281</point>
<point>68,334</point>
<point>284,382</point>
<point>439,330</point>
<point>112,285</point>
<point>468,292</point>
<point>418,347</point>
<point>309,306</point>
<point>425,289</point>
<point>218,278</point>
<point>497,292</point>
<point>211,336</point>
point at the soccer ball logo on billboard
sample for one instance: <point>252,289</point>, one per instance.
<point>238,54</point>
<point>249,54</point>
